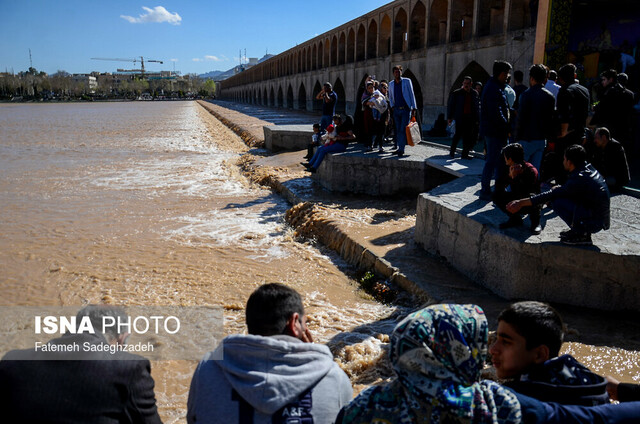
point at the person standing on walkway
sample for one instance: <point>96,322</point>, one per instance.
<point>329,99</point>
<point>403,104</point>
<point>535,117</point>
<point>615,109</point>
<point>572,108</point>
<point>463,108</point>
<point>494,124</point>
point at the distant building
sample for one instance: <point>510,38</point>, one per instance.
<point>91,82</point>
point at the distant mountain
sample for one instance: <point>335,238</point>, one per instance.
<point>222,75</point>
<point>211,75</point>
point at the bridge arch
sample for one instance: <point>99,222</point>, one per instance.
<point>417,27</point>
<point>491,17</point>
<point>341,49</point>
<point>272,98</point>
<point>399,30</point>
<point>475,71</point>
<point>351,46</point>
<point>302,97</point>
<point>360,43</point>
<point>461,20</point>
<point>372,39</point>
<point>317,104</point>
<point>341,105</point>
<point>280,99</point>
<point>438,23</point>
<point>289,97</point>
<point>520,14</point>
<point>417,90</point>
<point>334,51</point>
<point>327,53</point>
<point>384,43</point>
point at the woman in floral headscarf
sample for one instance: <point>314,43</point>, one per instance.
<point>437,353</point>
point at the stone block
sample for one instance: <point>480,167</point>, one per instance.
<point>287,137</point>
<point>451,222</point>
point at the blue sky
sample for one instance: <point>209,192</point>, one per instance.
<point>196,36</point>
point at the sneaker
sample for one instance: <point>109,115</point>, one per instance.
<point>514,221</point>
<point>536,230</point>
<point>381,150</point>
<point>369,149</point>
<point>467,157</point>
<point>452,155</point>
<point>577,239</point>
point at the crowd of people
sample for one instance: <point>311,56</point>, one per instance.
<point>387,108</point>
<point>543,119</point>
<point>543,147</point>
<point>277,374</point>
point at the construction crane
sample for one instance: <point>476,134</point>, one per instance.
<point>141,60</point>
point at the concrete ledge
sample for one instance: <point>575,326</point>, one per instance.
<point>287,137</point>
<point>423,167</point>
<point>453,223</point>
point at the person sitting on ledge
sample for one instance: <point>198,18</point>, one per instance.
<point>610,160</point>
<point>582,202</point>
<point>522,181</point>
<point>315,141</point>
<point>345,135</point>
<point>525,354</point>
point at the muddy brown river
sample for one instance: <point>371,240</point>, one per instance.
<point>142,203</point>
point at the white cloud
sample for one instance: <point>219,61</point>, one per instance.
<point>156,15</point>
<point>173,60</point>
<point>196,59</point>
<point>213,58</point>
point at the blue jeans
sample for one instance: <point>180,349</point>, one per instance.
<point>325,121</point>
<point>577,217</point>
<point>401,118</point>
<point>533,151</point>
<point>494,161</point>
<point>322,151</point>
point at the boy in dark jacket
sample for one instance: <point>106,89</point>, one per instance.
<point>525,353</point>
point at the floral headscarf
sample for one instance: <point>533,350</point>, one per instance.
<point>437,353</point>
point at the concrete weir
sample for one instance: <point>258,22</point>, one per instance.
<point>453,223</point>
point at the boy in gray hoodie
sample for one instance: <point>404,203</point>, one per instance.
<point>275,374</point>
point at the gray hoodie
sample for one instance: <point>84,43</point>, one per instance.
<point>277,379</point>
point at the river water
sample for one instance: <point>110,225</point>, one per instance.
<point>142,203</point>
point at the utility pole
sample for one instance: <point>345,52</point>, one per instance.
<point>30,61</point>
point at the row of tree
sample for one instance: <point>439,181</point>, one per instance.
<point>36,85</point>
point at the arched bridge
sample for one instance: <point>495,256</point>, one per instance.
<point>436,41</point>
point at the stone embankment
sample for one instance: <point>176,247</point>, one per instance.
<point>380,233</point>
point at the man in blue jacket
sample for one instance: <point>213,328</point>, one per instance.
<point>582,202</point>
<point>403,104</point>
<point>494,124</point>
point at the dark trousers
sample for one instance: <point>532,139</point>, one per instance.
<point>577,217</point>
<point>465,130</point>
<point>502,198</point>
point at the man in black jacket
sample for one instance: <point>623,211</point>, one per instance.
<point>582,202</point>
<point>615,109</point>
<point>610,159</point>
<point>535,117</point>
<point>53,384</point>
<point>463,108</point>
